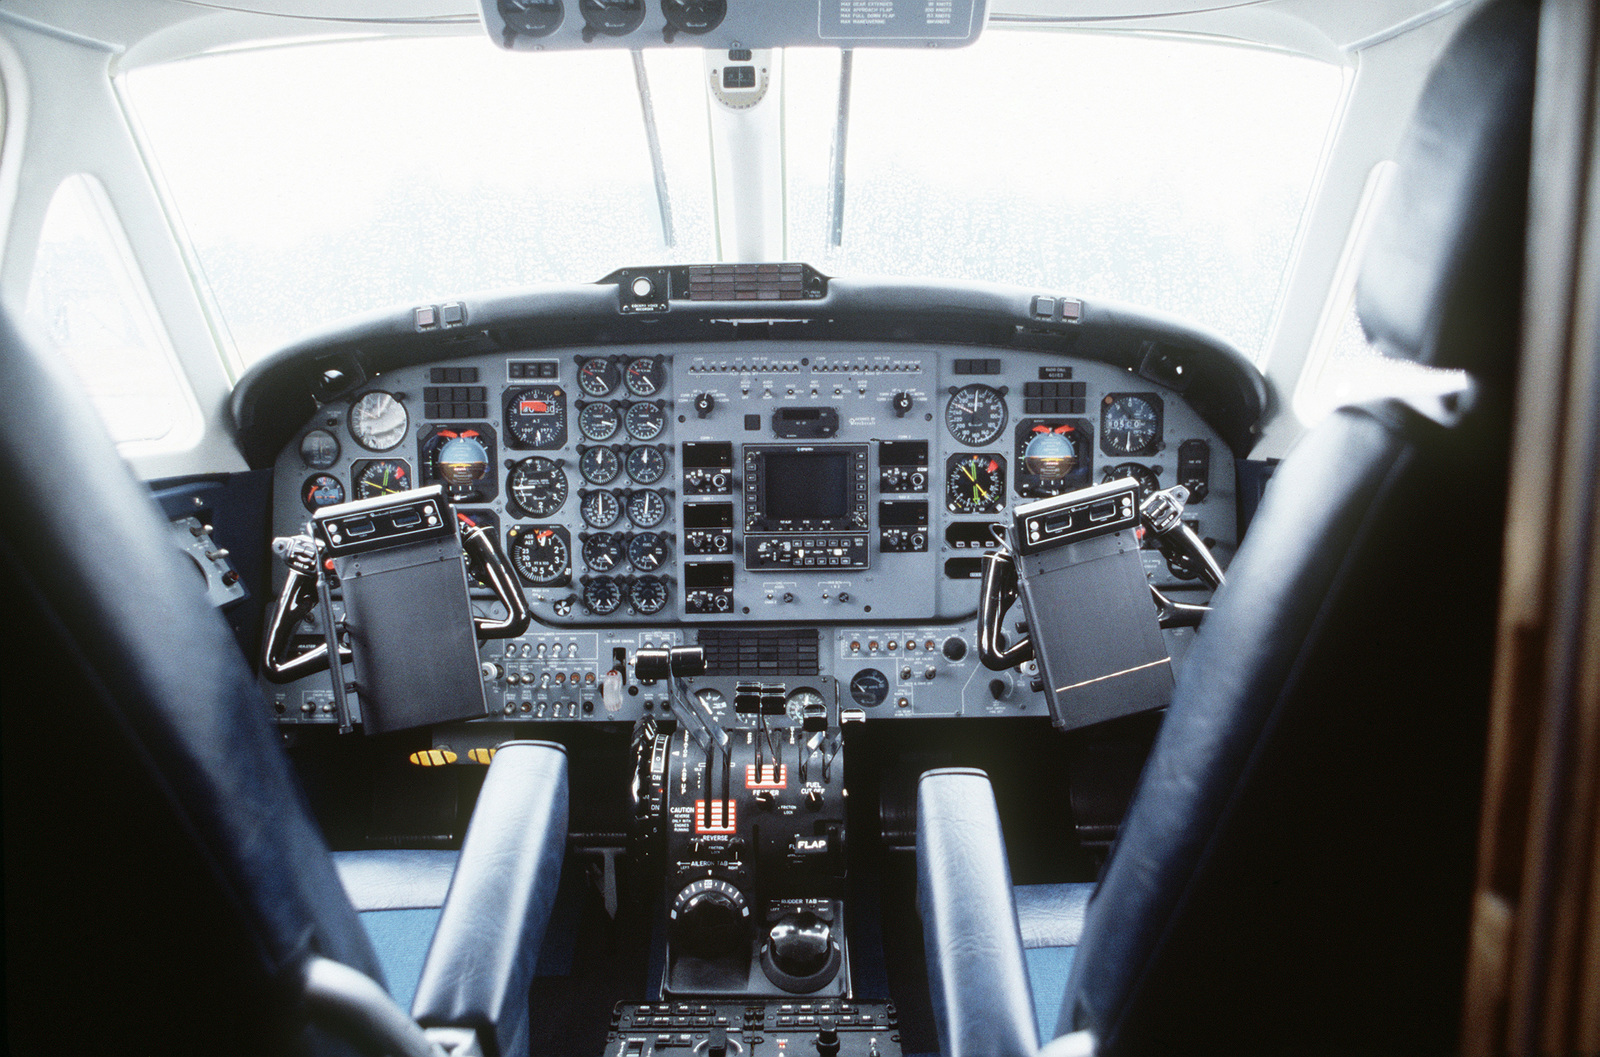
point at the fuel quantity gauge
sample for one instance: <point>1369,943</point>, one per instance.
<point>648,595</point>
<point>601,595</point>
<point>602,551</point>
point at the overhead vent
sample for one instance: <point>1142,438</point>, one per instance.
<point>747,282</point>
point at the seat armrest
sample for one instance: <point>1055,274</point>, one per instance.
<point>480,965</point>
<point>977,973</point>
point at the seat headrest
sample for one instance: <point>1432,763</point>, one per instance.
<point>1441,281</point>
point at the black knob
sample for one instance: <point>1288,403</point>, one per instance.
<point>709,919</point>
<point>717,1043</point>
<point>955,648</point>
<point>814,799</point>
<point>827,1038</point>
<point>703,403</point>
<point>800,944</point>
<point>901,404</point>
<point>766,799</point>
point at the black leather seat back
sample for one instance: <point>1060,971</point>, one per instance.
<point>1294,872</point>
<point>163,878</point>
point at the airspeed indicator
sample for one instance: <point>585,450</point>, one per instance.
<point>975,414</point>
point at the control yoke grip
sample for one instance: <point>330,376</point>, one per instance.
<point>1162,516</point>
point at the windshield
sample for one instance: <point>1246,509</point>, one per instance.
<point>317,181</point>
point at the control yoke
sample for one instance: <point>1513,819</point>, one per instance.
<point>309,587</point>
<point>1160,515</point>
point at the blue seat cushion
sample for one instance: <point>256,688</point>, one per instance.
<point>1050,918</point>
<point>399,894</point>
<point>1049,968</point>
<point>400,938</point>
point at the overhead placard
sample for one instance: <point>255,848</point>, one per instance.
<point>555,25</point>
<point>885,21</point>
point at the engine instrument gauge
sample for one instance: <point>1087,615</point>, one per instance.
<point>975,484</point>
<point>602,595</point>
<point>376,477</point>
<point>319,449</point>
<point>648,594</point>
<point>644,376</point>
<point>1148,481</point>
<point>613,18</point>
<point>802,698</point>
<point>600,510</point>
<point>541,554</point>
<point>536,417</point>
<point>598,375</point>
<point>378,421</point>
<point>599,465</point>
<point>647,508</point>
<point>531,18</point>
<point>320,490</point>
<point>648,551</point>
<point>646,465</point>
<point>1130,424</point>
<point>537,486</point>
<point>598,421</point>
<point>645,420</point>
<point>716,701</point>
<point>869,688</point>
<point>975,414</point>
<point>602,551</point>
<point>693,16</point>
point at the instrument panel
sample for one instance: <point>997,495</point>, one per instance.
<point>812,512</point>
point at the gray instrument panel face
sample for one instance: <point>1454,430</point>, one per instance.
<point>742,404</point>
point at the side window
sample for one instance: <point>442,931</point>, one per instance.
<point>1342,367</point>
<point>87,298</point>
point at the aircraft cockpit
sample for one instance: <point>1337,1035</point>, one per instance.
<point>766,528</point>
